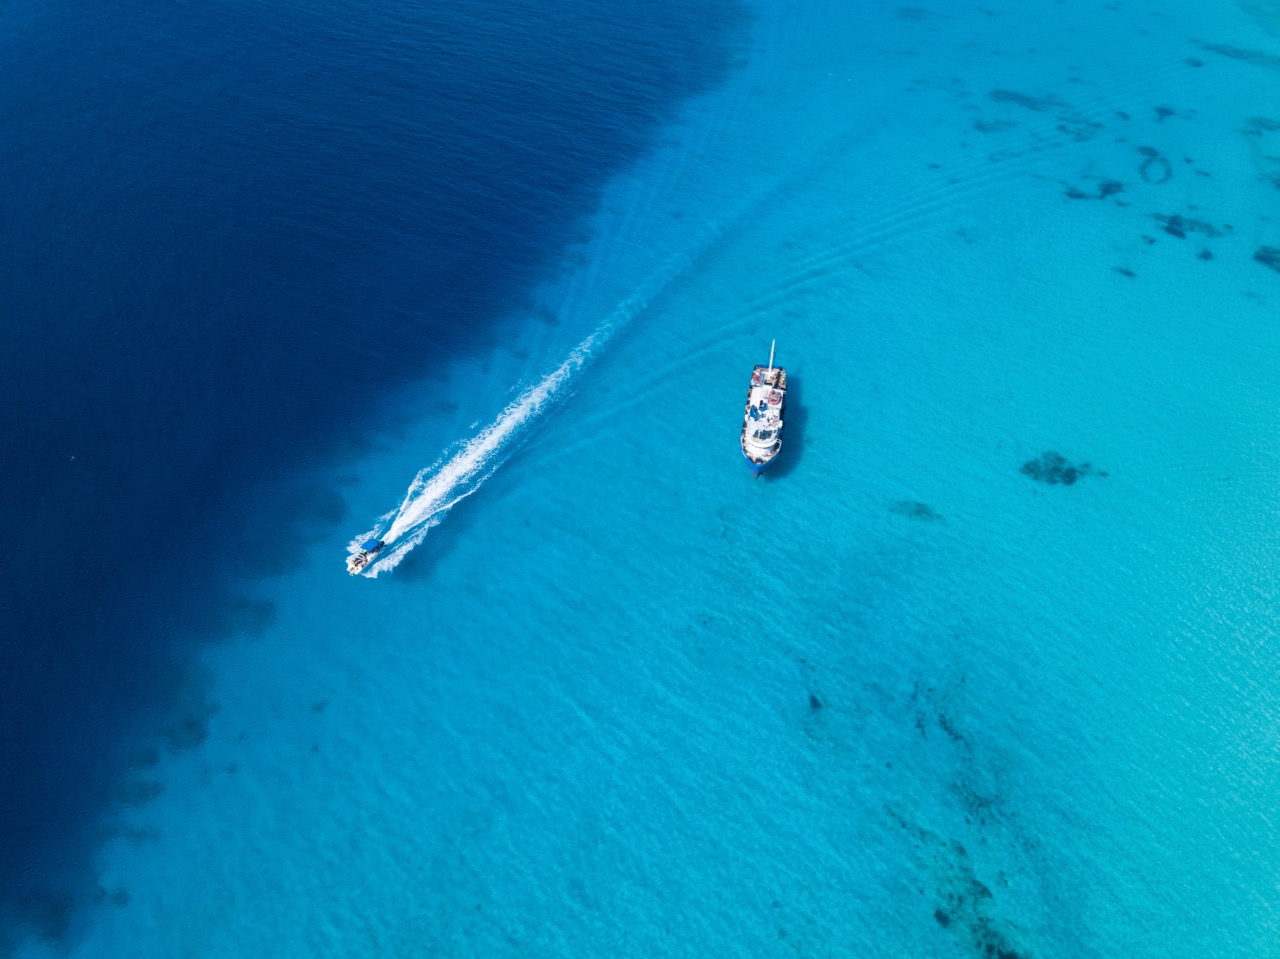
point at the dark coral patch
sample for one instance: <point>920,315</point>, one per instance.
<point>1155,168</point>
<point>1079,129</point>
<point>914,509</point>
<point>965,905</point>
<point>814,702</point>
<point>1205,254</point>
<point>1024,100</point>
<point>136,792</point>
<point>1106,188</point>
<point>1124,271</point>
<point>993,126</point>
<point>47,911</point>
<point>1053,469</point>
<point>1256,126</point>
<point>990,942</point>
<point>949,728</point>
<point>1179,226</point>
<point>189,728</point>
<point>146,757</point>
<point>1268,256</point>
<point>1257,57</point>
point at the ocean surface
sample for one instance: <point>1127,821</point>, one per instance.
<point>986,665</point>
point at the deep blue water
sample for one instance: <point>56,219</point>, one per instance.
<point>225,229</point>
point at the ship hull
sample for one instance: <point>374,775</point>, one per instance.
<point>756,468</point>
<point>762,417</point>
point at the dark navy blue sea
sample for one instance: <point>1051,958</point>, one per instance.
<point>228,229</point>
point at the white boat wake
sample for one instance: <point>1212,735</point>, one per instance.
<point>452,478</point>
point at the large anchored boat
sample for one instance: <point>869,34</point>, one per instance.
<point>762,419</point>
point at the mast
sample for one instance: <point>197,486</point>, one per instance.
<point>772,344</point>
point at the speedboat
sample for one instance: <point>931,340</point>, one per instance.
<point>762,418</point>
<point>357,561</point>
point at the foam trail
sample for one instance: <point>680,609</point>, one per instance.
<point>436,489</point>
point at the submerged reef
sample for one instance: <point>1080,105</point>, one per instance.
<point>1268,256</point>
<point>1258,58</point>
<point>1260,133</point>
<point>1071,122</point>
<point>1040,104</point>
<point>1106,188</point>
<point>1155,168</point>
<point>1178,225</point>
<point>47,911</point>
<point>965,906</point>
<point>914,509</point>
<point>1053,469</point>
<point>191,712</point>
<point>1079,129</point>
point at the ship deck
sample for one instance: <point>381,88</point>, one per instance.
<point>775,377</point>
<point>764,382</point>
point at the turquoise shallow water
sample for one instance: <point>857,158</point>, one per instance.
<point>897,697</point>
